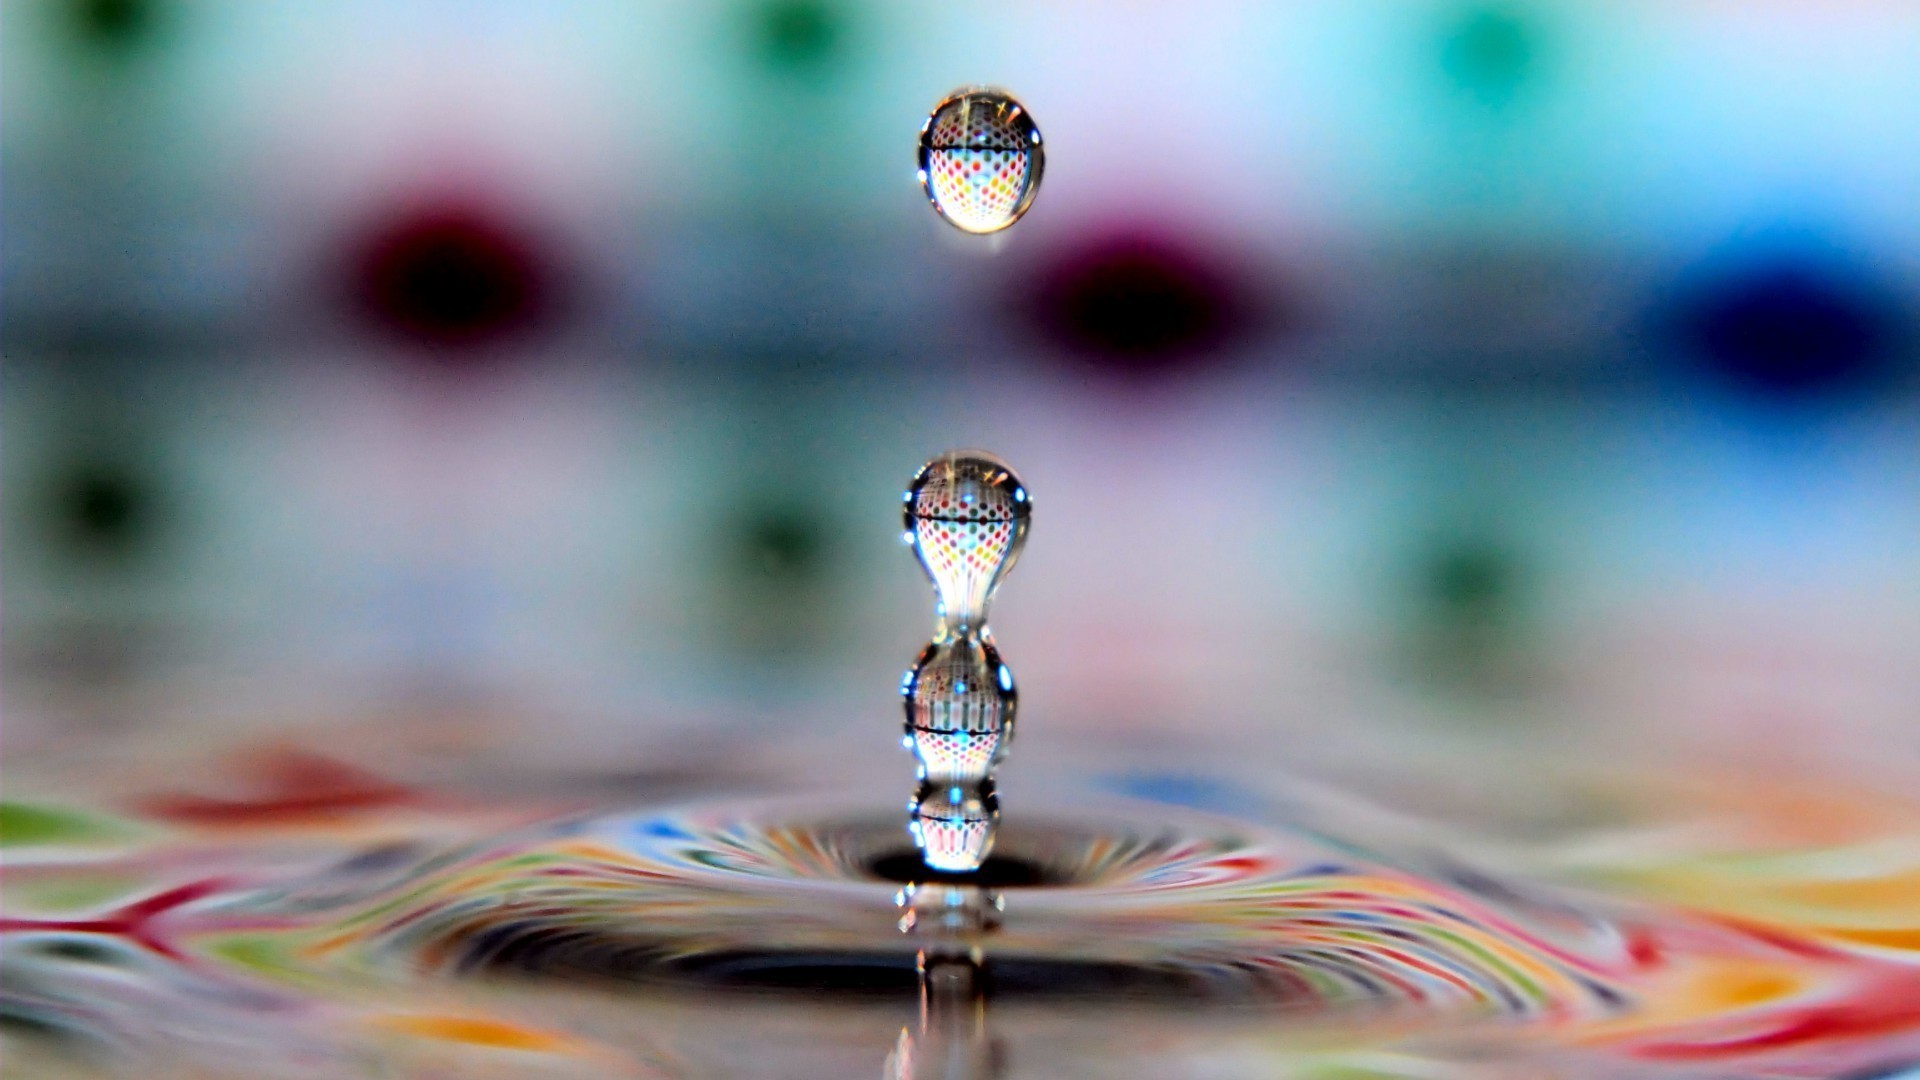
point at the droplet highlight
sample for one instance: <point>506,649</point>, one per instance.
<point>980,159</point>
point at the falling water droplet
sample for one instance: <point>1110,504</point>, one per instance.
<point>980,159</point>
<point>968,514</point>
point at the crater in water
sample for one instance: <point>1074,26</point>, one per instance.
<point>768,899</point>
<point>1150,927</point>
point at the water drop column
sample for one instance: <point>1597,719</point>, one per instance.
<point>966,516</point>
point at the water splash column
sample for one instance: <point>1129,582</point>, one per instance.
<point>967,515</point>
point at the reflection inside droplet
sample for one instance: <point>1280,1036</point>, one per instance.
<point>980,159</point>
<point>954,824</point>
<point>960,706</point>
<point>968,530</point>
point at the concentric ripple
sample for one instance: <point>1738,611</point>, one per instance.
<point>764,900</point>
<point>434,944</point>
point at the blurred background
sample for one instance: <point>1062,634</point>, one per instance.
<point>535,382</point>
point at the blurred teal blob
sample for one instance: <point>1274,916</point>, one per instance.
<point>1490,53</point>
<point>784,544</point>
<point>799,37</point>
<point>1469,582</point>
<point>776,567</point>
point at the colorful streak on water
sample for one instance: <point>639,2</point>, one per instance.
<point>398,932</point>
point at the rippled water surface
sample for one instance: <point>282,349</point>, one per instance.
<point>351,926</point>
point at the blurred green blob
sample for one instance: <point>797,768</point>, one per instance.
<point>102,509</point>
<point>779,596</point>
<point>78,894</point>
<point>787,545</point>
<point>1469,595</point>
<point>802,37</point>
<point>112,26</point>
<point>19,1025</point>
<point>262,954</point>
<point>29,824</point>
<point>1489,53</point>
<point>1470,582</point>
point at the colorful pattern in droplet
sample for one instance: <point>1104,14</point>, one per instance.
<point>978,190</point>
<point>978,123</point>
<point>956,754</point>
<point>964,557</point>
<point>979,160</point>
<point>959,685</point>
<point>953,843</point>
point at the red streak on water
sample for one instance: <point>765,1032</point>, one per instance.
<point>136,922</point>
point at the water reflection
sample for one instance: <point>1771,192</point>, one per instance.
<point>951,1040</point>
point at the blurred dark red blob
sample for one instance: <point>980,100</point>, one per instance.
<point>452,277</point>
<point>290,785</point>
<point>1790,328</point>
<point>1141,304</point>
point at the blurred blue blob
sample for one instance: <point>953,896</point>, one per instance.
<point>1195,792</point>
<point>1788,325</point>
<point>1895,1072</point>
<point>661,828</point>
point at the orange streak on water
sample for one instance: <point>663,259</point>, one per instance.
<point>477,1032</point>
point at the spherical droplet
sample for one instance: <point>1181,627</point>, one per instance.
<point>980,159</point>
<point>960,706</point>
<point>968,527</point>
<point>954,825</point>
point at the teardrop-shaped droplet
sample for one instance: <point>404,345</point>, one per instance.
<point>980,159</point>
<point>967,514</point>
<point>954,825</point>
<point>960,704</point>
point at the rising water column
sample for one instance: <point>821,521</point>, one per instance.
<point>966,516</point>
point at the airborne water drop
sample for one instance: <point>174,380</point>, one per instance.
<point>980,159</point>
